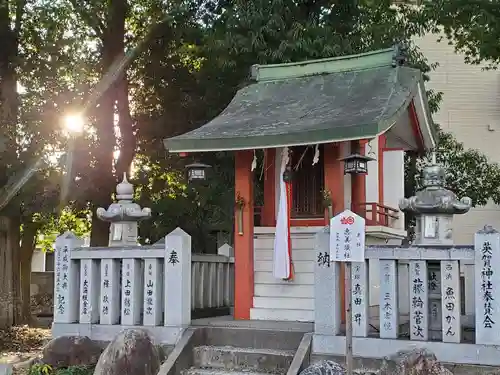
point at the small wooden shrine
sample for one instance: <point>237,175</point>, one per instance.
<point>314,120</point>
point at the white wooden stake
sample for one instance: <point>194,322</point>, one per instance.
<point>348,318</point>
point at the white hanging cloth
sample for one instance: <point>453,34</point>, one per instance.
<point>254,161</point>
<point>282,260</point>
<point>316,155</point>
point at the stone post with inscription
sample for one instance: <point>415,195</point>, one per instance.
<point>434,207</point>
<point>125,284</point>
<point>388,305</point>
<point>487,286</point>
<point>178,278</point>
<point>327,295</point>
<point>66,277</point>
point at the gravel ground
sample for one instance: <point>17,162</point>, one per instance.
<point>18,344</point>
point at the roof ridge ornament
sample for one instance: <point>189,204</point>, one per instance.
<point>400,54</point>
<point>488,229</point>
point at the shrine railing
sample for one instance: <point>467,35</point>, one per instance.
<point>377,214</point>
<point>159,285</point>
<point>257,216</point>
<point>212,283</point>
<point>418,295</point>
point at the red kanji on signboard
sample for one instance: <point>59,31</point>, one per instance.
<point>347,220</point>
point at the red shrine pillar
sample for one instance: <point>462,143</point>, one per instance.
<point>243,243</point>
<point>382,143</point>
<point>334,175</point>
<point>268,216</point>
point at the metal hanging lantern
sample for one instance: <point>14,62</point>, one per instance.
<point>197,172</point>
<point>288,174</point>
<point>356,164</point>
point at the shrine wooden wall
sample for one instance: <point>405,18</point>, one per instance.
<point>276,299</point>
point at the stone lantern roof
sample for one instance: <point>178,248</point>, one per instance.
<point>434,198</point>
<point>124,216</point>
<point>434,207</point>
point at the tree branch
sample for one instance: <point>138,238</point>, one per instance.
<point>93,21</point>
<point>20,4</point>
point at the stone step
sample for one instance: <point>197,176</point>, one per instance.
<point>288,315</point>
<point>214,371</point>
<point>234,358</point>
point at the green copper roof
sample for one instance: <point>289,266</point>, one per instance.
<point>366,60</point>
<point>311,102</point>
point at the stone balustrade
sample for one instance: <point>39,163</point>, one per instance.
<point>212,283</point>
<point>425,279</point>
<point>99,291</point>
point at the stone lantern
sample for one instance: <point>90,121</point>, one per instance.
<point>124,216</point>
<point>434,206</point>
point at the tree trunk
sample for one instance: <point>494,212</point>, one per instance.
<point>15,240</point>
<point>6,275</point>
<point>25,313</point>
<point>112,50</point>
<point>99,234</point>
<point>8,88</point>
<point>11,14</point>
<point>28,243</point>
<point>125,122</point>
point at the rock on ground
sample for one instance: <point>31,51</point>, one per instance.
<point>24,366</point>
<point>325,367</point>
<point>68,351</point>
<point>419,361</point>
<point>130,353</point>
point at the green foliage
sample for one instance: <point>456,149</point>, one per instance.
<point>52,226</point>
<point>190,67</point>
<point>49,74</point>
<point>44,369</point>
<point>40,369</point>
<point>471,26</point>
<point>199,210</point>
<point>75,370</point>
<point>469,173</point>
<point>208,61</point>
